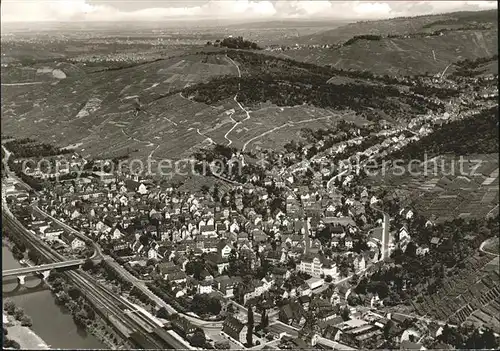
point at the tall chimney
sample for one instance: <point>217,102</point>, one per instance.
<point>307,234</point>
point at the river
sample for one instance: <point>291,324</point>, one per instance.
<point>50,322</point>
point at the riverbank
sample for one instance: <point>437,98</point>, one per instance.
<point>24,336</point>
<point>86,320</point>
<point>7,243</point>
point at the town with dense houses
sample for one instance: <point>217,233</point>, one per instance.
<point>325,181</point>
<point>286,248</point>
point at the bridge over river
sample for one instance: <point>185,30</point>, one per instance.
<point>43,269</point>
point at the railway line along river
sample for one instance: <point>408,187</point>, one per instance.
<point>55,326</point>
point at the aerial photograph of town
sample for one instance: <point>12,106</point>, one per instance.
<point>250,175</point>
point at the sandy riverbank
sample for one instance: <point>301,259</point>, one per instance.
<point>26,337</point>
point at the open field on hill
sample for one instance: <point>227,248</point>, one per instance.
<point>273,126</point>
<point>399,26</point>
<point>171,106</point>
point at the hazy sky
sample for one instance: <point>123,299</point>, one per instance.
<point>118,10</point>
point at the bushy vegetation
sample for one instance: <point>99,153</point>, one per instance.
<point>468,338</point>
<point>110,274</point>
<point>19,248</point>
<point>18,251</point>
<point>362,37</point>
<point>238,43</point>
<point>8,343</point>
<point>30,148</point>
<point>293,90</point>
<point>162,289</point>
<point>468,68</point>
<point>73,299</point>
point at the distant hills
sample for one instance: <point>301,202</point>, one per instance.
<point>404,56</point>
<point>416,45</point>
<point>292,23</point>
<point>191,96</point>
<point>402,26</point>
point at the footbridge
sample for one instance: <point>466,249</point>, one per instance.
<point>43,269</point>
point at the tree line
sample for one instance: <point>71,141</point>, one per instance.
<point>236,43</point>
<point>356,38</point>
<point>297,89</point>
<point>467,68</point>
<point>31,148</point>
<point>72,299</point>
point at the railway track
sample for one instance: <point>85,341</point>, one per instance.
<point>115,307</point>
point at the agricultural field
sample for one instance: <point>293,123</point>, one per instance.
<point>472,296</point>
<point>100,106</point>
<point>394,56</point>
<point>141,111</point>
<point>270,126</point>
<point>443,194</point>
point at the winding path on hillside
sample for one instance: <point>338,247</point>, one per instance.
<point>20,84</point>
<point>265,133</point>
<point>491,211</point>
<point>238,103</point>
<point>206,137</point>
<point>135,139</point>
<point>229,141</point>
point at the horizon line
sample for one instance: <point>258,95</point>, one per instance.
<point>249,20</point>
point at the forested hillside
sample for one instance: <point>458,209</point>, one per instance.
<point>292,90</point>
<point>287,82</point>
